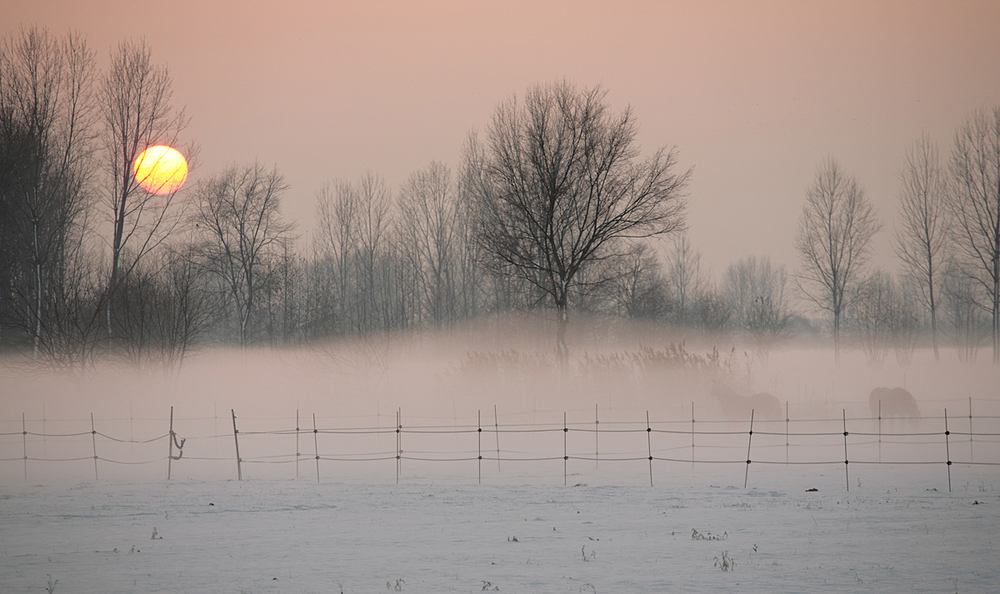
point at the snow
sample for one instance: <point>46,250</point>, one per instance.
<point>891,532</point>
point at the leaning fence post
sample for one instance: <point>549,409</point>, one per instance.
<point>947,449</point>
<point>236,438</point>
<point>93,441</point>
<point>316,445</point>
<point>649,448</point>
<point>847,477</point>
<point>746,475</point>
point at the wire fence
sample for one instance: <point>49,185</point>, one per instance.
<point>486,447</point>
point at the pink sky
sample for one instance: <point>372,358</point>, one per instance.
<point>754,94</point>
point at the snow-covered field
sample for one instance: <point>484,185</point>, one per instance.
<point>890,533</point>
<point>881,527</point>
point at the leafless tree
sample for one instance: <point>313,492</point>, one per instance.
<point>560,184</point>
<point>685,279</point>
<point>135,102</point>
<point>975,205</point>
<point>756,292</point>
<point>964,318</point>
<point>239,212</point>
<point>337,213</point>
<point>640,288</point>
<point>45,121</point>
<point>871,314</point>
<point>923,224</point>
<point>834,241</point>
<point>428,219</point>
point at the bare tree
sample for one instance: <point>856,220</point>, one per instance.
<point>963,316</point>
<point>975,205</point>
<point>756,292</point>
<point>337,242</point>
<point>834,241</point>
<point>639,291</point>
<point>45,120</point>
<point>685,280</point>
<point>560,184</point>
<point>428,219</point>
<point>923,224</point>
<point>239,211</point>
<point>871,314</point>
<point>135,102</point>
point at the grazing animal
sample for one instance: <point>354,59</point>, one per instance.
<point>738,408</point>
<point>895,402</point>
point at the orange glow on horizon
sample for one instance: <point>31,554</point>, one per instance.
<point>160,169</point>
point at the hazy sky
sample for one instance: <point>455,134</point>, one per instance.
<point>754,94</point>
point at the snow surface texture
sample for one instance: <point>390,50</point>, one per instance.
<point>689,533</point>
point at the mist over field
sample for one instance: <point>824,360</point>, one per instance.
<point>504,378</point>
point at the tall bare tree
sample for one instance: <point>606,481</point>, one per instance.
<point>135,102</point>
<point>239,211</point>
<point>560,184</point>
<point>46,114</point>
<point>834,240</point>
<point>428,220</point>
<point>975,205</point>
<point>923,224</point>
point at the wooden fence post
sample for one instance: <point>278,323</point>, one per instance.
<point>746,475</point>
<point>236,438</point>
<point>93,441</point>
<point>947,448</point>
<point>847,459</point>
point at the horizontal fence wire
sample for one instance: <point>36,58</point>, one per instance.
<point>927,439</point>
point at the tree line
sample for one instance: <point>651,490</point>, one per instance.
<point>552,210</point>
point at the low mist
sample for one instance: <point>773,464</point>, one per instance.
<point>502,378</point>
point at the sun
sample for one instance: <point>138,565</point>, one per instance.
<point>160,169</point>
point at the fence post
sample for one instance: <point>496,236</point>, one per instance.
<point>880,431</point>
<point>24,443</point>
<point>496,428</point>
<point>847,477</point>
<point>947,449</point>
<point>479,437</point>
<point>972,453</point>
<point>597,439</point>
<point>93,441</point>
<point>399,442</point>
<point>236,438</point>
<point>786,431</point>
<point>692,434</point>
<point>297,449</point>
<point>649,448</point>
<point>170,441</point>
<point>565,452</point>
<point>746,475</point>
<point>316,445</point>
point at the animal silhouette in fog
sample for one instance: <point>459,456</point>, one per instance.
<point>896,402</point>
<point>736,407</point>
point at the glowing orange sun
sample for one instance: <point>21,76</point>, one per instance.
<point>160,169</point>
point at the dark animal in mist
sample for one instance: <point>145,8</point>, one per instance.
<point>895,402</point>
<point>738,408</point>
